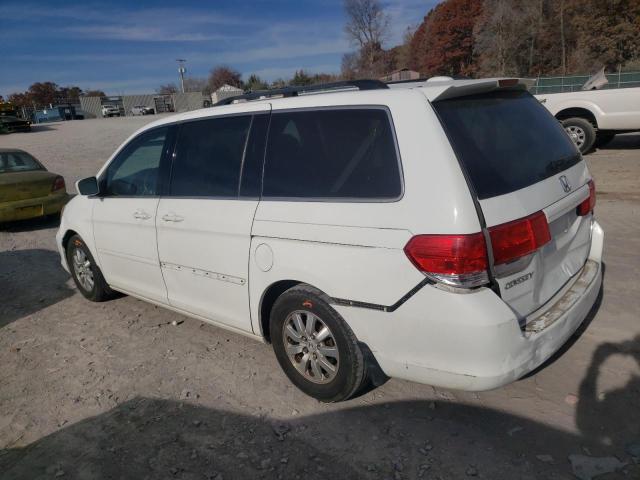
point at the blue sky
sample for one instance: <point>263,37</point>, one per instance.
<point>131,47</point>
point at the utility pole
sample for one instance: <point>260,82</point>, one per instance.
<point>181,70</point>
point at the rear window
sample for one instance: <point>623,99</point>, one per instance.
<point>323,154</point>
<point>17,162</point>
<point>505,140</point>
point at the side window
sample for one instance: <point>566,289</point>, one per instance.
<point>209,157</point>
<point>342,153</point>
<point>136,170</point>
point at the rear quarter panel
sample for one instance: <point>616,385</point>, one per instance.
<point>354,250</point>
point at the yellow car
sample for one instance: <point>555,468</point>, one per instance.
<point>27,189</point>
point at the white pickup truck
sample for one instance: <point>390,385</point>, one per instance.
<point>593,117</point>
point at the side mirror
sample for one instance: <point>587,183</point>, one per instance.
<point>88,186</point>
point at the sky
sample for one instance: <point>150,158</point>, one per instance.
<point>124,47</point>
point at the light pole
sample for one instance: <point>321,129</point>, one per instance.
<point>181,70</point>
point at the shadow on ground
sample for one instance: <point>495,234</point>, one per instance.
<point>30,280</point>
<point>148,438</point>
<point>627,141</point>
<point>32,224</point>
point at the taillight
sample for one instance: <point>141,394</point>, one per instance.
<point>587,206</point>
<point>459,260</point>
<point>513,240</point>
<point>58,184</point>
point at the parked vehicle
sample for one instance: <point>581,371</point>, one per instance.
<point>110,111</point>
<point>593,117</point>
<point>27,189</point>
<point>14,124</point>
<point>142,110</point>
<point>419,231</point>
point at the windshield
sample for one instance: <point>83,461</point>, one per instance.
<point>505,140</point>
<point>18,162</point>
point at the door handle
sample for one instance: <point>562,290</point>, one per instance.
<point>172,217</point>
<point>141,215</point>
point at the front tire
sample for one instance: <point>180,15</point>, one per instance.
<point>86,274</point>
<point>315,347</point>
<point>582,132</point>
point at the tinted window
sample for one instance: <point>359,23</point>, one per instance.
<point>209,156</point>
<point>17,162</point>
<point>344,153</point>
<point>135,171</point>
<point>506,140</point>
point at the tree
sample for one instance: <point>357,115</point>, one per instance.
<point>367,27</point>
<point>255,83</point>
<point>168,89</point>
<point>443,43</point>
<point>196,84</point>
<point>44,93</point>
<point>224,75</point>
<point>300,78</point>
<point>94,93</point>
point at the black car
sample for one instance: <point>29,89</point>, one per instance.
<point>14,124</point>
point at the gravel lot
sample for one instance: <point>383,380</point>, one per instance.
<point>114,390</point>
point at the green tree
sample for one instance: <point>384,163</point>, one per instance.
<point>255,83</point>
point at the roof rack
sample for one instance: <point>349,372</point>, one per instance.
<point>297,90</point>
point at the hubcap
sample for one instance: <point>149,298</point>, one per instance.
<point>311,346</point>
<point>82,269</point>
<point>577,135</point>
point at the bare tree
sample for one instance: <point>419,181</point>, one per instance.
<point>167,89</point>
<point>367,26</point>
<point>195,84</point>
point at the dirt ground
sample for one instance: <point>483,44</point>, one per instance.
<point>115,391</point>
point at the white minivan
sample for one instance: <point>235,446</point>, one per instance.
<point>440,232</point>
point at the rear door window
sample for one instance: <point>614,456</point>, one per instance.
<point>505,140</point>
<point>209,156</point>
<point>323,154</point>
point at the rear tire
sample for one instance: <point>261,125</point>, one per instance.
<point>582,132</point>
<point>86,274</point>
<point>315,347</point>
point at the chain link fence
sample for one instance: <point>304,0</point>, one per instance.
<point>574,83</point>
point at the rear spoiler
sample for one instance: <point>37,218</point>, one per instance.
<point>442,88</point>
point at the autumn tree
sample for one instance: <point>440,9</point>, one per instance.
<point>224,75</point>
<point>443,43</point>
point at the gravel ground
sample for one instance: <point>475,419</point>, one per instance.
<point>114,390</point>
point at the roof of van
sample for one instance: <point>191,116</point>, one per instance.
<point>436,88</point>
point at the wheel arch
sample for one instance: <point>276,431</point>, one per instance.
<point>67,236</point>
<point>269,297</point>
<point>580,112</point>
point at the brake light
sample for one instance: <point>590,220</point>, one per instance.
<point>519,238</point>
<point>58,184</point>
<point>459,260</point>
<point>508,82</point>
<point>588,204</point>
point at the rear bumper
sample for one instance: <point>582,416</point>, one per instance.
<point>474,341</point>
<point>32,207</point>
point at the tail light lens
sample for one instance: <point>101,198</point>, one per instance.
<point>459,260</point>
<point>587,206</point>
<point>513,240</point>
<point>58,184</point>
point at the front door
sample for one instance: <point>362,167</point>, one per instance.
<point>124,217</point>
<point>204,223</point>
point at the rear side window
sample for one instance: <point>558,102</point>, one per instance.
<point>342,153</point>
<point>18,162</point>
<point>209,157</point>
<point>505,140</point>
